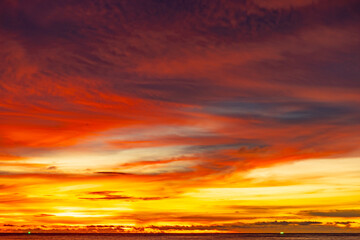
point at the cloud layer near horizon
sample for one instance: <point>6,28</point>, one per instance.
<point>158,103</point>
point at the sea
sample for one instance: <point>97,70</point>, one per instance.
<point>227,236</point>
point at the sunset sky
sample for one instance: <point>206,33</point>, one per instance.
<point>180,116</point>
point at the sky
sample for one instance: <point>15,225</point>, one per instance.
<point>180,116</point>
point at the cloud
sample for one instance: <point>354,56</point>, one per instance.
<point>117,86</point>
<point>351,213</point>
<point>288,223</point>
<point>111,195</point>
<point>114,173</point>
<point>44,215</point>
<point>238,226</point>
<point>10,157</point>
<point>289,112</point>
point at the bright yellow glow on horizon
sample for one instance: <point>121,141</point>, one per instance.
<point>196,205</point>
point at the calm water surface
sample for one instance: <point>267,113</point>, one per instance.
<point>180,236</point>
